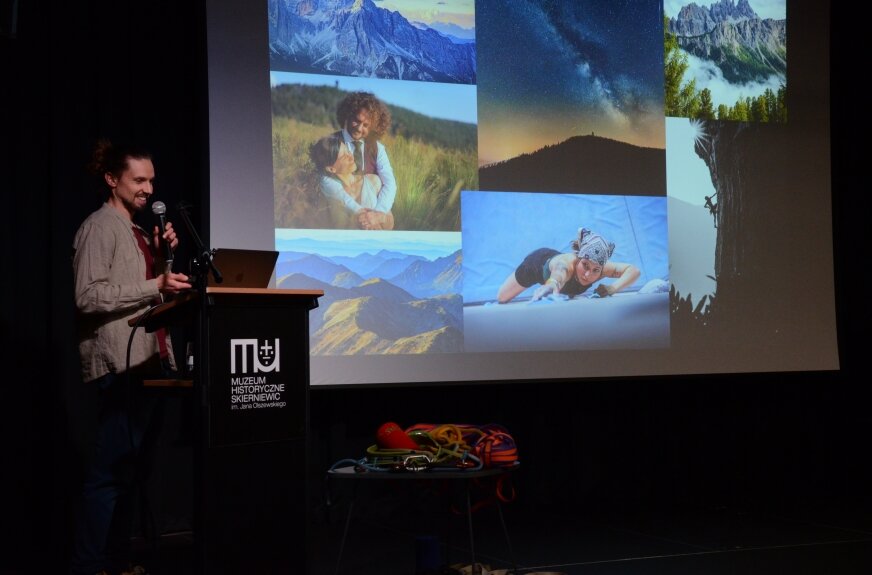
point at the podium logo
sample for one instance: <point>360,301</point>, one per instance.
<point>264,357</point>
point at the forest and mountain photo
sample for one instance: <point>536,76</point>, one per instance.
<point>726,60</point>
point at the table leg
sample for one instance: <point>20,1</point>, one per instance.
<point>475,569</point>
<point>508,541</point>
<point>345,530</point>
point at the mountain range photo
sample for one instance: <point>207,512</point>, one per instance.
<point>382,303</point>
<point>732,51</point>
<point>358,38</point>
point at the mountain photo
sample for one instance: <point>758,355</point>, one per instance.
<point>726,60</point>
<point>578,68</point>
<point>408,302</point>
<point>582,164</point>
<point>395,39</point>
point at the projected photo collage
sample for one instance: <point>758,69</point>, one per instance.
<point>487,176</point>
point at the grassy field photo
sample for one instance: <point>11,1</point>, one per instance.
<point>433,160</point>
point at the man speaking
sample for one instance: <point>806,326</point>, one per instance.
<point>119,272</point>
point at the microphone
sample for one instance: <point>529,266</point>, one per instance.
<point>159,209</point>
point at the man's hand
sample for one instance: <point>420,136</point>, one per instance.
<point>172,283</point>
<point>168,234</point>
<point>369,219</point>
<point>362,220</point>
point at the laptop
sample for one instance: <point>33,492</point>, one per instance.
<point>243,268</point>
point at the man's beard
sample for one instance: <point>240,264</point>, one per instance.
<point>134,207</point>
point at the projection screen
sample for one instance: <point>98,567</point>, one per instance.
<point>543,189</point>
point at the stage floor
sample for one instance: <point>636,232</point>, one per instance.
<point>709,541</point>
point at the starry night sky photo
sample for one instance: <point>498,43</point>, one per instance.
<point>551,69</point>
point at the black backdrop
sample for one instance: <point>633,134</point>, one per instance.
<point>74,71</point>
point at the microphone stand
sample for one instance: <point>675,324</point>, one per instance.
<point>201,266</point>
<point>202,263</point>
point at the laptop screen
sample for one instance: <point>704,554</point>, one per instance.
<point>243,268</point>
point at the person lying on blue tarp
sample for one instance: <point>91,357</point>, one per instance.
<point>570,273</point>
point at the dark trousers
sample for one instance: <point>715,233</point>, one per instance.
<point>128,421</point>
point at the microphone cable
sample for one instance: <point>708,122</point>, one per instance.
<point>136,482</point>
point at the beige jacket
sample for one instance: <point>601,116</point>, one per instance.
<point>110,286</point>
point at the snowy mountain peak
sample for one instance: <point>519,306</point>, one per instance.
<point>358,38</point>
<point>695,20</point>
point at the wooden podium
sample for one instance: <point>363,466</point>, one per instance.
<point>251,385</point>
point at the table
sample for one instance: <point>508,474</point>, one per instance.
<point>359,474</point>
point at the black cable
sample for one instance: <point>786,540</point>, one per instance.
<point>135,482</point>
<point>139,321</point>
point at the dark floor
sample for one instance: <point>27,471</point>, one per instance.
<point>392,529</point>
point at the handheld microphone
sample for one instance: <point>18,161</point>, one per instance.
<point>159,209</point>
